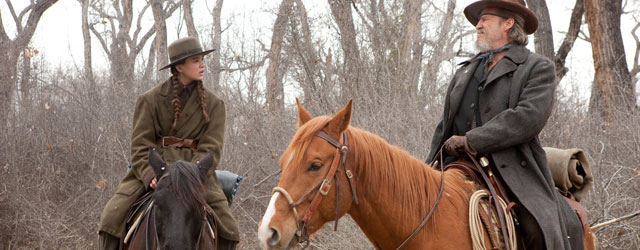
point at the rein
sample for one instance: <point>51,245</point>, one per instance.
<point>435,204</point>
<point>322,188</point>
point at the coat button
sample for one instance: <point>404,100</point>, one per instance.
<point>523,163</point>
<point>480,88</point>
<point>473,105</point>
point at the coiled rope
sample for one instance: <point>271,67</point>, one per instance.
<point>475,223</point>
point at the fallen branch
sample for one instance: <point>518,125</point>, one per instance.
<point>606,223</point>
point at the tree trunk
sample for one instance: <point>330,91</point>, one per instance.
<point>216,40</point>
<point>25,76</point>
<point>543,37</point>
<point>350,75</point>
<point>612,89</point>
<point>86,36</point>
<point>303,46</point>
<point>188,19</point>
<point>160,25</point>
<point>11,49</point>
<point>275,88</point>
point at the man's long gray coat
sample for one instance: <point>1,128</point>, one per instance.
<point>514,107</point>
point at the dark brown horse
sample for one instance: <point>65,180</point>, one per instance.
<point>175,215</point>
<point>394,190</point>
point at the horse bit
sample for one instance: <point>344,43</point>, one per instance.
<point>323,188</point>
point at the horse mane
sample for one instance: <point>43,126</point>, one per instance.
<point>187,185</point>
<point>415,182</point>
<point>409,179</point>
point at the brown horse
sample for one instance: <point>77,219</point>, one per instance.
<point>176,214</point>
<point>394,190</point>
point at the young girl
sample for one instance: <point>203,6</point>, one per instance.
<point>184,121</point>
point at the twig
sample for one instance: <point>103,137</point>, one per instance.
<point>626,217</point>
<point>266,178</point>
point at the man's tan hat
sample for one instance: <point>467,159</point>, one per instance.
<point>183,48</point>
<point>474,11</point>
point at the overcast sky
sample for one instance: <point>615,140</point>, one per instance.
<point>59,34</point>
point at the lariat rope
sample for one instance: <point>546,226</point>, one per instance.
<point>475,223</point>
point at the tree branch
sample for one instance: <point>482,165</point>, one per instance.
<point>105,48</point>
<point>636,67</point>
<point>15,18</point>
<point>606,223</point>
<point>3,34</point>
<point>32,21</point>
<point>569,39</point>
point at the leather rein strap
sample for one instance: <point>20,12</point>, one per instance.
<point>323,187</point>
<point>435,204</point>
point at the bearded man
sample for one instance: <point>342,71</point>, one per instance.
<point>496,105</point>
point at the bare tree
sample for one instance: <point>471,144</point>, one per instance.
<point>274,73</point>
<point>188,18</point>
<point>12,48</point>
<point>341,12</point>
<point>216,42</point>
<point>160,14</point>
<point>86,36</point>
<point>613,88</point>
<point>117,42</point>
<point>544,35</point>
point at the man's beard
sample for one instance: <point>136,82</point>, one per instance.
<point>482,46</point>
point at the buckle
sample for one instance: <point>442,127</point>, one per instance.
<point>325,187</point>
<point>349,174</point>
<point>163,144</point>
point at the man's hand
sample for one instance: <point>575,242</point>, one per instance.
<point>455,145</point>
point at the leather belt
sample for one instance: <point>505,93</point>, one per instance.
<point>172,141</point>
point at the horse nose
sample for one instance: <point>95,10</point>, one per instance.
<point>274,238</point>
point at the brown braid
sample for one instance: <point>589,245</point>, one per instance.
<point>175,101</point>
<point>203,101</point>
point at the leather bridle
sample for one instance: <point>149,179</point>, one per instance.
<point>322,188</point>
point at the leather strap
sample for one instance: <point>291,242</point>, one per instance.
<point>172,141</point>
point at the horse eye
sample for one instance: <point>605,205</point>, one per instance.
<point>315,166</point>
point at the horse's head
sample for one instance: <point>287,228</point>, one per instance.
<point>305,164</point>
<point>179,201</point>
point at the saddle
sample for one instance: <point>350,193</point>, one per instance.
<point>493,219</point>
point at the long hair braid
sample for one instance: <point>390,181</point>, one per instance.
<point>203,101</point>
<point>175,101</point>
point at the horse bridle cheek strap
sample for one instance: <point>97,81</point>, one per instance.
<point>323,187</point>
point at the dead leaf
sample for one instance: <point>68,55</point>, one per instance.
<point>101,184</point>
<point>101,128</point>
<point>48,147</point>
<point>47,106</point>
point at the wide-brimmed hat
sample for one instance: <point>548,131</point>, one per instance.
<point>183,48</point>
<point>474,10</point>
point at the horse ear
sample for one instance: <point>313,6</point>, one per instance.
<point>205,164</point>
<point>303,114</point>
<point>157,164</point>
<point>340,121</point>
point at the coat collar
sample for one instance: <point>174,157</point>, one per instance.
<point>515,56</point>
<point>165,88</point>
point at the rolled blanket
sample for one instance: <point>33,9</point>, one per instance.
<point>570,171</point>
